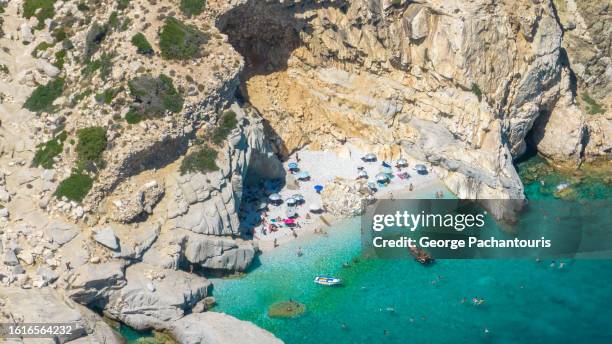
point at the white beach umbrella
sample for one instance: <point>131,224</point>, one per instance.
<point>362,174</point>
<point>274,197</point>
<point>369,157</point>
<point>401,162</point>
<point>315,207</point>
<point>382,177</point>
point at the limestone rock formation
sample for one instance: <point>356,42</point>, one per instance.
<point>47,306</point>
<point>219,328</point>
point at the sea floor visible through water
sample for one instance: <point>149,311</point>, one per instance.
<point>399,301</point>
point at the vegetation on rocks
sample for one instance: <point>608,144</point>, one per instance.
<point>104,64</point>
<point>42,9</point>
<point>108,95</point>
<point>42,46</point>
<point>192,7</point>
<point>46,152</point>
<point>201,160</point>
<point>75,187</point>
<point>226,124</point>
<point>476,90</point>
<point>153,96</point>
<point>179,41</point>
<point>123,4</point>
<point>133,117</point>
<point>593,107</point>
<point>142,45</point>
<point>44,95</point>
<point>95,36</point>
<point>91,144</point>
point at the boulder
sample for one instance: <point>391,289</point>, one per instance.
<point>47,306</point>
<point>61,232</point>
<point>47,68</point>
<point>10,258</point>
<point>219,328</point>
<point>107,237</point>
<point>153,297</point>
<point>95,283</point>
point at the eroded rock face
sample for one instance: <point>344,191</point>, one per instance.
<point>48,306</point>
<point>459,84</point>
<point>153,297</point>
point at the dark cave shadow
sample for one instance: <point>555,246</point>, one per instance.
<point>266,33</point>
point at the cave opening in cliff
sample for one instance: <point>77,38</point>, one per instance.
<point>266,33</point>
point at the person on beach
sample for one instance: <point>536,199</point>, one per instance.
<point>297,157</point>
<point>411,187</point>
<point>275,242</point>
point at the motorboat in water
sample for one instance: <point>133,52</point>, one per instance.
<point>327,280</point>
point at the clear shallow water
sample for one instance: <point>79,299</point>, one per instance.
<point>526,301</point>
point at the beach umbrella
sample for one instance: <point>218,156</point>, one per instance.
<point>362,174</point>
<point>293,166</point>
<point>420,168</point>
<point>291,212</point>
<point>291,201</point>
<point>262,206</point>
<point>372,184</point>
<point>274,197</point>
<point>382,177</point>
<point>386,170</point>
<point>289,221</point>
<point>315,207</point>
<point>369,157</point>
<point>303,175</point>
<point>401,162</point>
<point>298,197</point>
<point>385,164</point>
<point>318,188</point>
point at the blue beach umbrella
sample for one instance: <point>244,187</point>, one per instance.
<point>384,163</point>
<point>303,175</point>
<point>318,188</point>
<point>293,166</point>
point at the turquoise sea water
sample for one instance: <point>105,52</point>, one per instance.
<point>399,301</point>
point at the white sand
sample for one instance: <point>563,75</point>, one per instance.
<point>324,166</point>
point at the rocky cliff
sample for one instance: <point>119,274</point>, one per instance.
<point>459,84</point>
<point>128,128</point>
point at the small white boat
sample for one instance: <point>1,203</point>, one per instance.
<point>327,280</point>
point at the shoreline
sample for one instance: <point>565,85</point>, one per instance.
<point>307,230</point>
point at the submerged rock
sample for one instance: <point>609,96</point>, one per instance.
<point>286,309</point>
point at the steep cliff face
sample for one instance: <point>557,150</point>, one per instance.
<point>459,84</point>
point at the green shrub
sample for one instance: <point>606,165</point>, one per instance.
<point>155,95</point>
<point>91,144</point>
<point>59,34</point>
<point>226,124</point>
<point>476,90</point>
<point>107,95</point>
<point>93,40</point>
<point>42,46</point>
<point>123,4</point>
<point>44,95</point>
<point>45,152</point>
<point>75,187</point>
<point>60,59</point>
<point>593,107</point>
<point>113,21</point>
<point>202,160</point>
<point>178,41</point>
<point>104,64</point>
<point>192,7</point>
<point>142,45</point>
<point>30,8</point>
<point>82,7</point>
<point>133,117</point>
<point>79,97</point>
